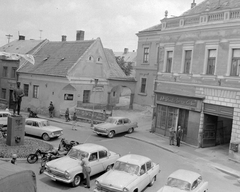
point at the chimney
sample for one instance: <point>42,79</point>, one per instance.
<point>193,4</point>
<point>80,35</point>
<point>64,38</point>
<point>125,51</point>
<point>21,37</point>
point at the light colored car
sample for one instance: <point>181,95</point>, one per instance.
<point>185,180</point>
<point>130,173</point>
<point>67,169</point>
<point>42,128</point>
<point>115,125</point>
<point>4,118</point>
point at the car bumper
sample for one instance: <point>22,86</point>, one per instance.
<point>56,178</point>
<point>100,133</point>
<point>55,135</point>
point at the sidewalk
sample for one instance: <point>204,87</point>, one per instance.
<point>216,158</point>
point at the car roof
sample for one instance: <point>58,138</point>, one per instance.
<point>90,147</point>
<point>36,119</point>
<point>185,175</point>
<point>134,159</point>
<point>118,118</point>
<point>5,112</point>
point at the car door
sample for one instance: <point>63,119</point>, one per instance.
<point>104,159</point>
<point>119,126</point>
<point>28,127</point>
<point>150,170</point>
<point>96,166</point>
<point>36,129</point>
<point>143,179</point>
<point>127,124</point>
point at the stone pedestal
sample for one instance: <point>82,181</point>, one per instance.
<point>15,131</point>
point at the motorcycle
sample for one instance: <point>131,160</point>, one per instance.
<point>33,157</point>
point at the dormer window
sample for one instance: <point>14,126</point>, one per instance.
<point>90,58</point>
<point>99,59</point>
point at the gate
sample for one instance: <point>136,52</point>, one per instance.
<point>209,131</point>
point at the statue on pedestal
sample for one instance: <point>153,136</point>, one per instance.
<point>17,99</point>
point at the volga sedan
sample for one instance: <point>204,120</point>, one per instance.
<point>185,180</point>
<point>42,128</point>
<point>131,173</point>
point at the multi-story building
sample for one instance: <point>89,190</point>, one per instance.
<point>197,59</point>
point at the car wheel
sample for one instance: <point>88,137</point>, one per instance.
<point>152,181</point>
<point>111,134</point>
<point>76,181</point>
<point>109,167</point>
<point>45,137</point>
<point>130,130</point>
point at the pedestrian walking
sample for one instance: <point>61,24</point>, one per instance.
<point>51,109</point>
<point>74,118</point>
<point>179,135</point>
<point>86,169</point>
<point>67,115</point>
<point>171,136</point>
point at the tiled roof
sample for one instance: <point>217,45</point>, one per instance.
<point>213,5</point>
<point>56,58</point>
<point>114,69</point>
<point>20,46</point>
<point>153,28</point>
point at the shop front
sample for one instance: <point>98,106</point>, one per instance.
<point>174,110</point>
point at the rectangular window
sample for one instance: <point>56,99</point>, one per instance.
<point>35,91</point>
<point>169,61</point>
<point>68,97</point>
<point>5,71</point>
<point>211,61</point>
<point>235,63</point>
<point>86,96</point>
<point>4,92</point>
<point>187,62</point>
<point>146,55</point>
<point>13,73</point>
<point>25,89</point>
<point>143,85</point>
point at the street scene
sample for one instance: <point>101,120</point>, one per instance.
<point>129,96</point>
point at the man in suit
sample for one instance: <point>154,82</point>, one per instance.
<point>17,98</point>
<point>179,135</point>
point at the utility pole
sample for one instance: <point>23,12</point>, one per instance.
<point>9,37</point>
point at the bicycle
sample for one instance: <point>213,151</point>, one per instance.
<point>33,157</point>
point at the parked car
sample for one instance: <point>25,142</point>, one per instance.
<point>130,173</point>
<point>42,128</point>
<point>4,118</point>
<point>115,125</point>
<point>185,180</point>
<point>67,169</point>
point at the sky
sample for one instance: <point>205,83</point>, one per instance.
<point>115,22</point>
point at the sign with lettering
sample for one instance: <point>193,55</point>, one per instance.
<point>179,100</point>
<point>98,89</point>
<point>68,96</point>
<point>90,114</point>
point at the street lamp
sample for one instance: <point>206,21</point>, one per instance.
<point>95,85</point>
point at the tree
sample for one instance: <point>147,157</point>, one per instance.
<point>125,66</point>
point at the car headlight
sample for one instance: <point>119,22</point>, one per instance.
<point>52,133</point>
<point>125,189</point>
<point>67,175</point>
<point>61,132</point>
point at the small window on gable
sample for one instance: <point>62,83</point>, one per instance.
<point>99,60</point>
<point>90,58</point>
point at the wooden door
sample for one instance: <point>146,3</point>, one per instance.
<point>209,131</point>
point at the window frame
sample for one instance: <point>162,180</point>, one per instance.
<point>35,91</point>
<point>231,63</point>
<point>186,48</point>
<point>4,90</point>
<point>13,72</point>
<point>232,46</point>
<point>88,96</point>
<point>146,54</point>
<point>24,89</point>
<point>206,57</point>
<point>166,50</point>
<point>141,85</point>
<point>5,71</point>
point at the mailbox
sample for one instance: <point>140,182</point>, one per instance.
<point>234,146</point>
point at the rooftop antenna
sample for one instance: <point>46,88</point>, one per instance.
<point>40,34</point>
<point>9,37</point>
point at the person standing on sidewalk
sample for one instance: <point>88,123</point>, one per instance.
<point>86,169</point>
<point>67,115</point>
<point>51,109</point>
<point>171,136</point>
<point>74,118</point>
<point>179,135</point>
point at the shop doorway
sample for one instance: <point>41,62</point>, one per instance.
<point>216,130</point>
<point>183,121</point>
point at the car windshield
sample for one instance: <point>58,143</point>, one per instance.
<point>76,154</point>
<point>111,120</point>
<point>126,167</point>
<point>44,123</point>
<point>180,184</point>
